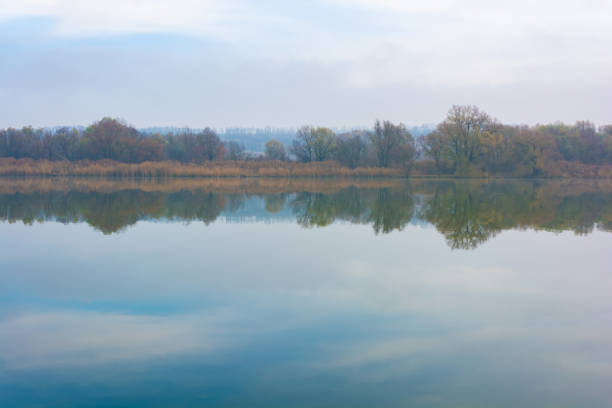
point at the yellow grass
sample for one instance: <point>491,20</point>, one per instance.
<point>109,168</point>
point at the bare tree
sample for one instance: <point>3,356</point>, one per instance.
<point>302,144</point>
<point>350,149</point>
<point>313,144</point>
<point>386,138</point>
<point>462,131</point>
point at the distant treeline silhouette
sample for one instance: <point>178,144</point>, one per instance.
<point>468,143</point>
<point>466,213</point>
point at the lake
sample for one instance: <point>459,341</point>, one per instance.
<point>305,293</point>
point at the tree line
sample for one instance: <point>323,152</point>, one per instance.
<point>468,142</point>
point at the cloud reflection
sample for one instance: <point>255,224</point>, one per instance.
<point>74,337</point>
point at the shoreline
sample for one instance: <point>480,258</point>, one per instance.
<point>226,169</point>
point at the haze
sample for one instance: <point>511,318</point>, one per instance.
<point>325,62</point>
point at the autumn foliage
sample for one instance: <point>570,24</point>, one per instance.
<point>468,143</point>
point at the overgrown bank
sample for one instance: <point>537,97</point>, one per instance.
<point>467,143</point>
<point>262,168</point>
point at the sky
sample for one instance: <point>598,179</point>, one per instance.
<point>291,63</point>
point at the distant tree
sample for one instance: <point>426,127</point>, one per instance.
<point>392,143</point>
<point>21,143</point>
<point>150,148</point>
<point>275,150</point>
<point>301,147</point>
<point>313,144</point>
<point>467,143</point>
<point>187,146</point>
<point>566,139</point>
<point>323,144</point>
<point>110,139</point>
<point>350,149</point>
<point>433,146</point>
<point>533,153</point>
<point>606,130</point>
<point>234,151</point>
<point>210,145</point>
<point>606,133</point>
<point>591,148</point>
<point>462,131</point>
<point>63,144</point>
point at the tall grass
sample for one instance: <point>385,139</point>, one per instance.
<point>109,168</point>
<point>242,169</point>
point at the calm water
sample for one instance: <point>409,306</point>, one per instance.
<point>277,293</point>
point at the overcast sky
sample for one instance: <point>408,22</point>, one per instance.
<point>288,63</point>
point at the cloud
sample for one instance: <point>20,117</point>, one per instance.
<point>359,52</point>
<point>113,17</point>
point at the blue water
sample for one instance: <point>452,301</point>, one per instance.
<point>255,308</point>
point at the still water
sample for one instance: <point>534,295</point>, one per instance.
<point>301,293</point>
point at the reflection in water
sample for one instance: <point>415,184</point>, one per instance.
<point>331,307</point>
<point>466,213</point>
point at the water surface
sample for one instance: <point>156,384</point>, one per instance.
<point>301,293</point>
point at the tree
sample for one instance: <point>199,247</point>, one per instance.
<point>462,132</point>
<point>313,144</point>
<point>211,146</point>
<point>433,146</point>
<point>234,151</point>
<point>533,153</point>
<point>301,146</point>
<point>110,139</point>
<point>323,144</point>
<point>392,143</point>
<point>63,144</point>
<point>350,149</point>
<point>606,134</point>
<point>150,148</point>
<point>591,146</point>
<point>275,150</point>
<point>21,143</point>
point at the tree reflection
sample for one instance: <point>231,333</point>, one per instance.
<point>466,213</point>
<point>391,210</point>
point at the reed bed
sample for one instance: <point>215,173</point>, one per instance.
<point>109,168</point>
<point>253,169</point>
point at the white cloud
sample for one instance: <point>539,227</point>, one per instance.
<point>367,46</point>
<point>75,17</point>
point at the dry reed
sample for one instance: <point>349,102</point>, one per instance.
<point>109,168</point>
